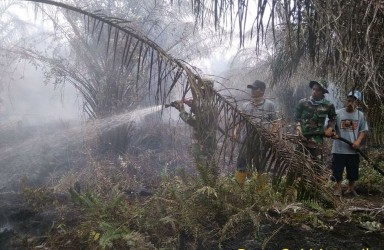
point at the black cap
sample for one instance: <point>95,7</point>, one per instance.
<point>256,85</point>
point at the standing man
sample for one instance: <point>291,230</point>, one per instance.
<point>350,125</point>
<point>310,117</point>
<point>263,111</point>
<point>203,118</point>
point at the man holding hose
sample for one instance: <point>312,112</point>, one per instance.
<point>310,117</point>
<point>351,125</point>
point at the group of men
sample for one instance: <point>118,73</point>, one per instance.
<point>315,119</point>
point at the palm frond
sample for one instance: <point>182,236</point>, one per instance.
<point>343,39</point>
<point>146,60</point>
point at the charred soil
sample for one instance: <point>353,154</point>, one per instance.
<point>357,223</point>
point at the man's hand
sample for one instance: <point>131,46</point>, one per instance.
<point>299,133</point>
<point>180,105</point>
<point>356,144</point>
<point>298,129</point>
<point>232,138</point>
<point>235,133</point>
<point>276,127</point>
<point>188,101</point>
<point>329,132</point>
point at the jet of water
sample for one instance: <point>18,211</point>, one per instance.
<point>26,157</point>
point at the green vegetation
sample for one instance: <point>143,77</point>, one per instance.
<point>181,213</point>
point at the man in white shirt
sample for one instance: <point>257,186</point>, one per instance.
<point>351,125</point>
<point>262,111</point>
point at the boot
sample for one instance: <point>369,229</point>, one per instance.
<point>240,176</point>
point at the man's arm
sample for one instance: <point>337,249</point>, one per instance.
<point>276,125</point>
<point>298,113</point>
<point>363,129</point>
<point>276,122</point>
<point>236,131</point>
<point>357,142</point>
<point>184,115</point>
<point>270,109</point>
<point>329,131</point>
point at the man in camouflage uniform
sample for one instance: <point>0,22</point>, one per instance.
<point>310,117</point>
<point>203,118</point>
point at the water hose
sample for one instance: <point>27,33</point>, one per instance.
<point>374,165</point>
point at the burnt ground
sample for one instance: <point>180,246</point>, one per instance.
<point>358,225</point>
<point>21,227</point>
<point>345,235</point>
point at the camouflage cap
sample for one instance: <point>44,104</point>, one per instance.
<point>322,83</point>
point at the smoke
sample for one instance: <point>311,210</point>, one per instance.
<point>32,117</point>
<point>27,100</point>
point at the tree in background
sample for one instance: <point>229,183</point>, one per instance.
<point>341,41</point>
